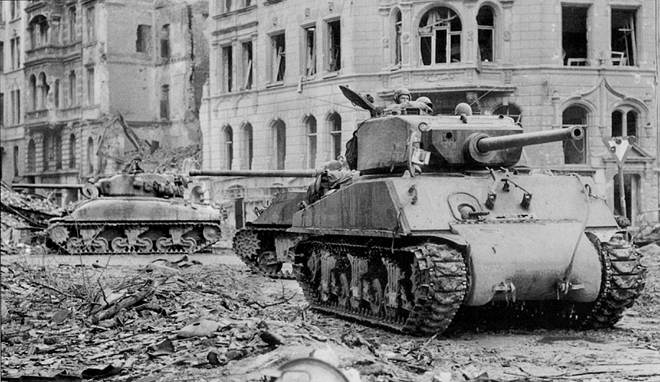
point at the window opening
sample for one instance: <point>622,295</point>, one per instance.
<point>72,151</point>
<point>624,43</point>
<point>397,37</point>
<point>486,34</point>
<point>310,123</point>
<point>91,28</point>
<point>334,46</point>
<point>90,155</point>
<point>2,109</point>
<point>56,94</point>
<point>631,193</point>
<point>440,36</point>
<point>90,86</point>
<point>31,156</point>
<point>247,153</point>
<point>72,24</point>
<point>165,41</point>
<point>2,56</point>
<point>227,67</point>
<point>279,132</point>
<point>72,89</point>
<point>43,88</point>
<point>247,65</point>
<point>15,160</point>
<point>575,151</point>
<point>38,31</point>
<point>279,57</point>
<point>33,92</point>
<point>57,150</point>
<point>574,35</point>
<point>165,102</point>
<point>335,134</point>
<point>310,51</point>
<point>143,41</point>
<point>229,147</point>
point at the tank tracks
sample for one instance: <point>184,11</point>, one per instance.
<point>415,289</point>
<point>256,248</point>
<point>141,238</point>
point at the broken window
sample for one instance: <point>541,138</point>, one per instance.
<point>143,41</point>
<point>247,65</point>
<point>624,123</point>
<point>279,137</point>
<point>56,94</point>
<point>165,41</point>
<point>90,155</point>
<point>38,30</point>
<point>90,24</point>
<point>335,134</point>
<point>72,151</point>
<point>72,24</point>
<point>310,125</point>
<point>334,46</point>
<point>278,57</point>
<point>228,147</point>
<point>509,110</point>
<point>43,88</point>
<point>310,50</point>
<point>90,86</point>
<point>440,36</point>
<point>624,43</point>
<point>73,100</point>
<point>397,37</point>
<point>246,148</point>
<point>15,160</point>
<point>575,151</point>
<point>574,35</point>
<point>31,156</point>
<point>227,67</point>
<point>165,102</point>
<point>486,33</point>
<point>57,150</point>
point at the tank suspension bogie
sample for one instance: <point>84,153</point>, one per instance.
<point>266,250</point>
<point>416,289</point>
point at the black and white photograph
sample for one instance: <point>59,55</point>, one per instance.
<point>330,190</point>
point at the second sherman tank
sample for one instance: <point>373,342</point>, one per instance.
<point>439,222</point>
<point>136,213</point>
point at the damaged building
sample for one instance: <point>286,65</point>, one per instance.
<point>273,100</point>
<point>85,61</point>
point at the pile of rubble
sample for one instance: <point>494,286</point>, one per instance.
<point>23,216</point>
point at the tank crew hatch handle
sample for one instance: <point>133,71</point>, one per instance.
<point>506,187</point>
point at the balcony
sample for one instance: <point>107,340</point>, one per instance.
<point>36,116</point>
<point>51,52</point>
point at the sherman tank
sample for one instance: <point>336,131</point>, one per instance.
<point>135,213</point>
<point>439,223</point>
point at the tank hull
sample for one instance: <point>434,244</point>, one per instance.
<point>136,225</point>
<point>385,240</point>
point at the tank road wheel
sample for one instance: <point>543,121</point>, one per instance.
<point>74,245</point>
<point>100,245</point>
<point>418,290</point>
<point>211,234</point>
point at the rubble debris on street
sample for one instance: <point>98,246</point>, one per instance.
<point>190,319</point>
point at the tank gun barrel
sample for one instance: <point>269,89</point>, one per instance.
<point>258,173</point>
<point>486,144</point>
<point>48,186</point>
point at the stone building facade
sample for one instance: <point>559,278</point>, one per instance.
<point>273,99</point>
<point>84,61</point>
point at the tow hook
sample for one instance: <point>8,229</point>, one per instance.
<point>508,289</point>
<point>563,287</point>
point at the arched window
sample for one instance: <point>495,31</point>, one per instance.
<point>334,122</point>
<point>38,29</point>
<point>279,142</point>
<point>440,36</point>
<point>72,151</point>
<point>486,33</point>
<point>509,110</point>
<point>90,155</point>
<point>43,90</point>
<point>228,149</point>
<point>575,152</point>
<point>33,92</point>
<point>31,156</point>
<point>624,122</point>
<point>396,35</point>
<point>246,147</point>
<point>311,133</point>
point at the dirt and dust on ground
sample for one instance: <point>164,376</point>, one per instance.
<point>207,318</point>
